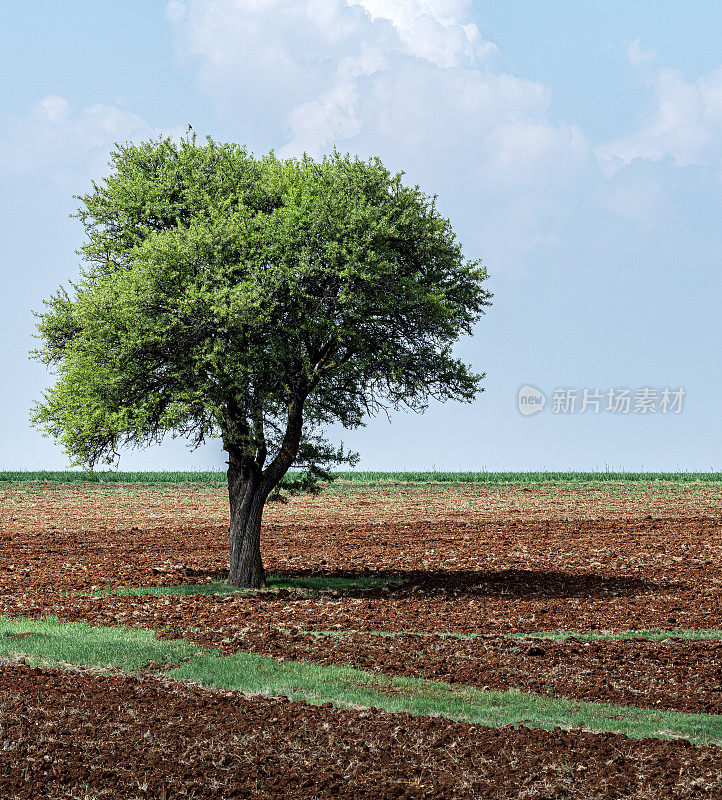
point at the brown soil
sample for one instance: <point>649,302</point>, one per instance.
<point>475,560</point>
<point>470,560</point>
<point>86,735</point>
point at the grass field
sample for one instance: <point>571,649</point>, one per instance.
<point>216,478</point>
<point>422,635</point>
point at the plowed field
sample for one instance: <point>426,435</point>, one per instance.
<point>456,571</point>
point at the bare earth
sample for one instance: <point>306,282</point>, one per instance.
<point>463,559</point>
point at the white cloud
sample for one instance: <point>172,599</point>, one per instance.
<point>412,81</point>
<point>320,122</point>
<point>175,10</point>
<point>685,124</point>
<point>430,29</point>
<point>52,108</point>
<point>415,72</point>
<point>638,55</point>
<point>52,137</point>
<point>71,146</point>
<point>533,152</point>
<point>246,48</point>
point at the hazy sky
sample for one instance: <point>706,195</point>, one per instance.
<point>576,147</point>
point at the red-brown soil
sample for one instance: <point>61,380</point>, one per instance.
<point>471,560</point>
<point>84,735</point>
<point>490,560</point>
<point>476,560</point>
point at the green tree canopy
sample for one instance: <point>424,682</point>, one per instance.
<point>257,300</point>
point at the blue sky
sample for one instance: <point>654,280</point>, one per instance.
<point>576,147</point>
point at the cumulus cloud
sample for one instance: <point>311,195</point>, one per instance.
<point>246,49</point>
<point>331,70</point>
<point>329,118</point>
<point>685,124</point>
<point>413,81</point>
<point>430,29</point>
<point>53,136</point>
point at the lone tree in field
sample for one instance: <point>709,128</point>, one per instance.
<point>255,300</point>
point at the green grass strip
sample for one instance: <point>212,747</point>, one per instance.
<point>353,688</point>
<point>274,583</point>
<point>532,477</point>
<point>213,478</point>
<point>50,641</point>
<point>650,634</point>
<point>647,634</point>
<point>93,646</point>
<point>218,477</point>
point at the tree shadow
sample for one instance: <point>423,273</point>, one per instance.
<point>531,583</point>
<point>450,585</point>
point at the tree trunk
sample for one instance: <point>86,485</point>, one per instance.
<point>247,495</point>
<point>248,487</point>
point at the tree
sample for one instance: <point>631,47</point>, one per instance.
<point>255,300</point>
